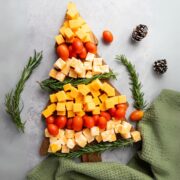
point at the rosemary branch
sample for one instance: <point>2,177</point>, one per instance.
<point>138,95</point>
<point>55,85</point>
<point>12,99</point>
<point>101,147</point>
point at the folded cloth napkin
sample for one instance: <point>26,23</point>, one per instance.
<point>159,157</point>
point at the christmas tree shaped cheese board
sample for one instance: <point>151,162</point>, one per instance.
<point>86,114</point>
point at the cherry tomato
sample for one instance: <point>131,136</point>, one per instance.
<point>69,123</point>
<point>112,111</point>
<point>122,105</point>
<point>83,53</point>
<point>89,122</point>
<point>136,115</point>
<point>50,120</point>
<point>77,123</point>
<point>107,36</point>
<point>120,113</point>
<point>106,115</point>
<point>62,51</point>
<point>61,121</point>
<point>91,47</point>
<point>53,129</point>
<point>102,122</point>
<point>71,52</point>
<point>96,119</point>
<point>77,45</point>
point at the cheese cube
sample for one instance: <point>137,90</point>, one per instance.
<point>90,56</point>
<point>69,133</point>
<point>89,74</point>
<point>64,149</point>
<point>103,97</point>
<point>61,133</point>
<point>53,98</point>
<point>83,89</point>
<point>72,73</point>
<point>87,134</point>
<point>70,114</point>
<point>85,28</point>
<point>122,99</point>
<point>74,92</point>
<point>96,101</point>
<point>96,85</point>
<point>81,20</point>
<point>53,73</point>
<point>59,39</point>
<point>80,139</point>
<point>88,65</point>
<point>60,107</point>
<point>69,106</point>
<point>95,93</point>
<point>110,125</point>
<point>106,135</point>
<point>96,70</point>
<point>108,89</point>
<point>79,68</point>
<point>83,74</point>
<point>109,103</point>
<point>79,98</point>
<point>66,24</point>
<point>126,136</point>
<point>67,87</point>
<point>88,99</point>
<point>61,113</point>
<point>125,128</point>
<point>49,110</point>
<point>102,107</point>
<point>88,37</point>
<point>127,125</point>
<point>136,136</point>
<point>112,137</point>
<point>97,61</point>
<point>90,106</point>
<point>60,76</point>
<point>69,97</point>
<point>96,110</point>
<point>62,30</point>
<point>104,68</point>
<point>95,131</point>
<point>75,23</point>
<point>59,64</point>
<point>71,143</point>
<point>68,33</point>
<point>81,34</point>
<point>72,13</point>
<point>65,70</point>
<point>74,62</point>
<point>61,96</point>
<point>46,133</point>
<point>71,5</point>
<point>98,138</point>
<point>63,140</point>
<point>81,114</point>
<point>55,147</point>
<point>115,100</point>
<point>77,107</point>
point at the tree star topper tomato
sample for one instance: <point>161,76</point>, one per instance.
<point>136,115</point>
<point>107,36</point>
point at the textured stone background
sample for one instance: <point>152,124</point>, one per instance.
<point>32,24</point>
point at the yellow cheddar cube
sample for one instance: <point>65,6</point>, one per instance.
<point>95,93</point>
<point>81,114</point>
<point>87,134</point>
<point>79,98</point>
<point>87,99</point>
<point>110,91</point>
<point>68,33</point>
<point>67,87</point>
<point>96,101</point>
<point>96,85</point>
<point>49,110</point>
<point>86,28</point>
<point>61,113</point>
<point>59,39</point>
<point>81,20</point>
<point>62,30</point>
<point>65,70</point>
<point>81,34</point>
<point>80,139</point>
<point>55,147</point>
<point>88,38</point>
<point>61,96</point>
<point>52,107</point>
<point>65,149</point>
<point>95,131</point>
<point>53,73</point>
<point>60,107</point>
<point>102,107</point>
<point>122,99</point>
<point>136,136</point>
<point>74,92</point>
<point>75,23</point>
<point>96,110</point>
<point>69,106</point>
<point>53,98</point>
<point>69,97</point>
<point>69,133</point>
<point>103,97</point>
<point>90,106</point>
<point>83,89</point>
<point>72,13</point>
<point>73,73</point>
<point>60,76</point>
<point>71,5</point>
<point>109,103</point>
<point>70,114</point>
<point>66,24</point>
<point>71,143</point>
<point>59,64</point>
<point>77,107</point>
<point>115,99</point>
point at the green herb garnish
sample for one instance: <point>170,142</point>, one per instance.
<point>12,99</point>
<point>138,95</point>
<point>52,85</point>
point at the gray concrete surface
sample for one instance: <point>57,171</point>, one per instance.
<point>32,24</point>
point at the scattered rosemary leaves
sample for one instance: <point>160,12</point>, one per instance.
<point>52,85</point>
<point>12,99</point>
<point>138,95</point>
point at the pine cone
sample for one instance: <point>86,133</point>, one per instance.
<point>160,66</point>
<point>140,32</point>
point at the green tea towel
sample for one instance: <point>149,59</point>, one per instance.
<point>158,159</point>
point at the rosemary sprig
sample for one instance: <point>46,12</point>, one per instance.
<point>138,95</point>
<point>12,99</point>
<point>101,147</point>
<point>55,85</point>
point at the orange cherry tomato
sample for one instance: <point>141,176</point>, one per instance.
<point>77,45</point>
<point>107,36</point>
<point>120,113</point>
<point>96,119</point>
<point>53,129</point>
<point>62,51</point>
<point>89,122</point>
<point>71,52</point>
<point>69,123</point>
<point>91,47</point>
<point>102,122</point>
<point>50,120</point>
<point>136,115</point>
<point>77,123</point>
<point>83,53</point>
<point>112,111</point>
<point>122,105</point>
<point>106,115</point>
<point>61,121</point>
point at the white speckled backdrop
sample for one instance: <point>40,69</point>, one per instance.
<point>32,24</point>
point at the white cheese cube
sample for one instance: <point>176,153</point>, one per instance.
<point>127,125</point>
<point>69,133</point>
<point>88,65</point>
<point>83,74</point>
<point>98,138</point>
<point>90,56</point>
<point>65,69</point>
<point>88,135</point>
<point>61,133</point>
<point>80,139</point>
<point>96,70</point>
<point>53,140</point>
<point>79,68</point>
<point>97,62</point>
<point>63,140</point>
<point>110,125</point>
<point>60,76</point>
<point>126,136</point>
<point>89,74</point>
<point>107,135</point>
<point>46,133</point>
<point>59,64</point>
<point>71,143</point>
<point>136,136</point>
<point>104,68</point>
<point>95,131</point>
<point>65,149</point>
<point>74,62</point>
<point>117,128</point>
<point>72,73</point>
